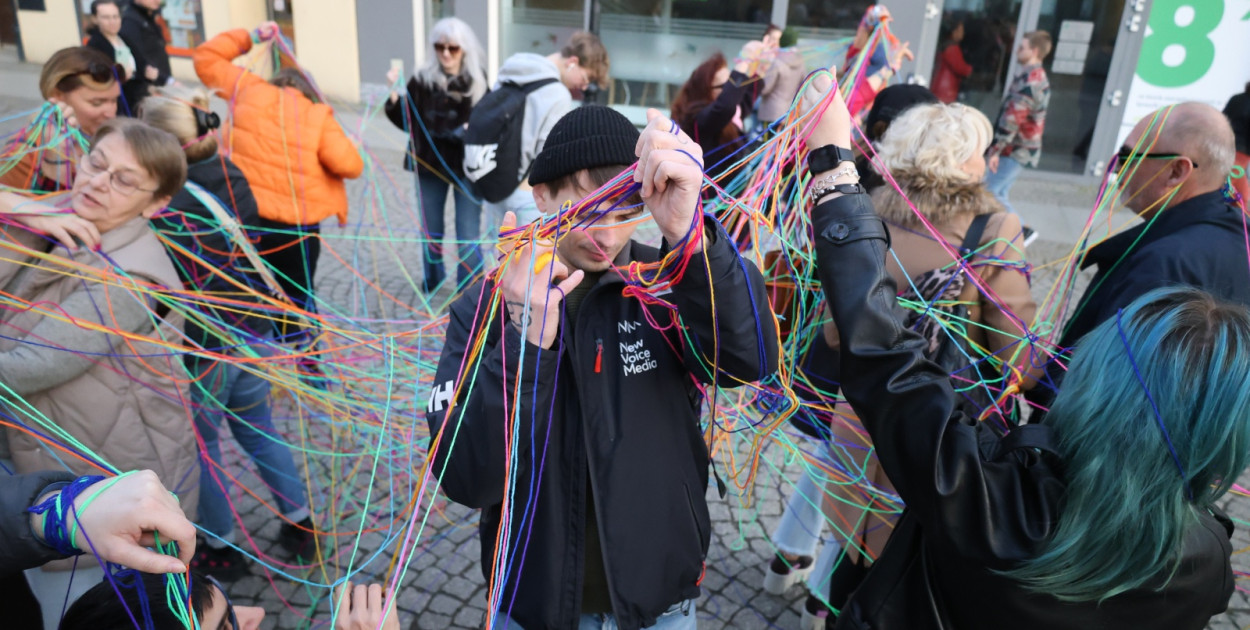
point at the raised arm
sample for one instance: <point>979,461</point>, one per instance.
<point>931,453</point>
<point>731,328</point>
<point>214,63</point>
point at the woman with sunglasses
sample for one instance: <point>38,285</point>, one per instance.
<point>83,85</point>
<point>87,341</point>
<point>1106,516</point>
<point>434,113</point>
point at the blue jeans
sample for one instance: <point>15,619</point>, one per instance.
<point>803,522</point>
<point>220,390</point>
<point>1000,182</point>
<point>679,616</point>
<point>432,191</point>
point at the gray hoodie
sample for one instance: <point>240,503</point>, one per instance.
<point>543,107</point>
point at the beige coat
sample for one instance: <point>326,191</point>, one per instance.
<point>950,207</point>
<point>130,409</point>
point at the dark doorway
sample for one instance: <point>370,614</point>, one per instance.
<point>8,23</point>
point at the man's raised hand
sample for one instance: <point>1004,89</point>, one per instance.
<point>670,170</point>
<point>534,281</point>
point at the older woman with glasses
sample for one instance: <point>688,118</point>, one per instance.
<point>84,85</point>
<point>434,113</point>
<point>89,352</point>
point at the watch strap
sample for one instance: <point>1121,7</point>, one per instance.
<point>826,158</point>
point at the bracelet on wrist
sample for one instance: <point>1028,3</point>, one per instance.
<point>56,516</point>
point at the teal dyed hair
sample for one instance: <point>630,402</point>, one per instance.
<point>1126,511</point>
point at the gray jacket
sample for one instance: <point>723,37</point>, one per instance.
<point>543,107</point>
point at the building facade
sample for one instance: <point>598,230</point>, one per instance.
<point>1113,60</point>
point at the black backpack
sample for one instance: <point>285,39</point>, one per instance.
<point>492,142</point>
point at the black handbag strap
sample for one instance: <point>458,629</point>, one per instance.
<point>1032,436</point>
<point>972,240</point>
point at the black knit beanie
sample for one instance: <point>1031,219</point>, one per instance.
<point>586,137</point>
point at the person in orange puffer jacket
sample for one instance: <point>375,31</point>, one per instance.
<point>293,152</point>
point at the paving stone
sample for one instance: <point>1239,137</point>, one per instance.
<point>432,621</point>
<point>445,604</point>
<point>460,588</point>
<point>471,617</point>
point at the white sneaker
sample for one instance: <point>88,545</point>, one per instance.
<point>782,574</point>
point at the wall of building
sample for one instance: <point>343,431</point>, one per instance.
<point>388,34</point>
<point>45,32</point>
<point>327,44</point>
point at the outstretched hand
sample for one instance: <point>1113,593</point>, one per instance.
<point>125,519</point>
<point>534,281</point>
<point>67,111</point>
<point>670,169</point>
<point>834,125</point>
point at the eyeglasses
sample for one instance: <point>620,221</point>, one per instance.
<point>234,619</point>
<point>122,182</point>
<point>440,47</point>
<point>1126,154</point>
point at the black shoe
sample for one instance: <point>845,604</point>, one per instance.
<point>298,540</point>
<point>226,564</point>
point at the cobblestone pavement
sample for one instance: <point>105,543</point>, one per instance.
<point>443,587</point>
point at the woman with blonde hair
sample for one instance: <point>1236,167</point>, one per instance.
<point>935,155</point>
<point>211,263</point>
<point>440,97</point>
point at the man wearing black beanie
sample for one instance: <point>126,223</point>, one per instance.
<point>576,428</point>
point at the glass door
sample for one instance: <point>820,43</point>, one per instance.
<point>978,34</point>
<point>1084,33</point>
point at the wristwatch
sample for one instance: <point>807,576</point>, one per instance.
<point>826,158</point>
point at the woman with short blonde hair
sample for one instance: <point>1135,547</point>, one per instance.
<point>934,161</point>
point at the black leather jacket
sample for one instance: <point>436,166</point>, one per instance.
<point>19,549</point>
<point>974,505</point>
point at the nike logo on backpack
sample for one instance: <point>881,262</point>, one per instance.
<point>479,159</point>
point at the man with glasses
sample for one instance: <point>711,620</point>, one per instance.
<point>1171,172</point>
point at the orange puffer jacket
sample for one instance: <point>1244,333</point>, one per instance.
<point>293,152</point>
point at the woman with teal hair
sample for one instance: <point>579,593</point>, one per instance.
<point>1104,517</point>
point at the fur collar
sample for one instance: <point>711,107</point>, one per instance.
<point>940,200</point>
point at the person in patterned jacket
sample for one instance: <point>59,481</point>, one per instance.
<point>1018,134</point>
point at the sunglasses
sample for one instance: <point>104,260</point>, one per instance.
<point>103,72</point>
<point>449,48</point>
<point>1126,154</point>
